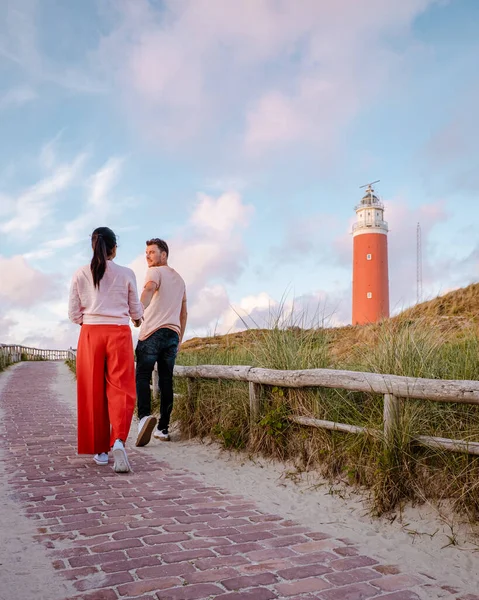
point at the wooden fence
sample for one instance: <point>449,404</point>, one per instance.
<point>395,390</point>
<point>10,354</point>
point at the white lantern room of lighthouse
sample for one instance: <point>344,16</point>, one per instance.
<point>370,215</point>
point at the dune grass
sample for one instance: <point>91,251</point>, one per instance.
<point>417,347</point>
<point>4,361</point>
<point>72,365</point>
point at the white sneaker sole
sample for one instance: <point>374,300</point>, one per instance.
<point>144,435</point>
<point>121,461</point>
<point>102,463</point>
<point>165,438</point>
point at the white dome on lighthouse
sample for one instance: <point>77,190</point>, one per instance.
<point>370,215</point>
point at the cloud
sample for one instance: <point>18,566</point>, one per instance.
<point>31,207</point>
<point>451,142</point>
<point>271,72</point>
<point>7,323</point>
<point>17,96</point>
<point>215,314</point>
<point>315,112</point>
<point>100,207</point>
<point>209,247</point>
<point>33,308</point>
<point>288,72</point>
<point>102,182</point>
<point>226,183</point>
<point>18,32</point>
<point>274,119</point>
<point>21,45</point>
<point>48,153</point>
<point>38,328</point>
<point>250,312</point>
<point>219,216</point>
<point>311,236</point>
<point>450,155</point>
<point>209,304</point>
<point>22,285</point>
<point>342,57</point>
<point>315,309</point>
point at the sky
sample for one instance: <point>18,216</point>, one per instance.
<point>240,132</point>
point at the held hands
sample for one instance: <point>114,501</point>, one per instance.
<point>137,322</point>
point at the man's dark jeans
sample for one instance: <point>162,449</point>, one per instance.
<point>160,347</point>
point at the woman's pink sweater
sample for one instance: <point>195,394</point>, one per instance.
<point>112,304</point>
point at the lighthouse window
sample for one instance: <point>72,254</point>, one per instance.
<point>369,294</point>
<point>368,256</point>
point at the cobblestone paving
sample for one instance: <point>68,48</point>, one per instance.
<point>159,532</point>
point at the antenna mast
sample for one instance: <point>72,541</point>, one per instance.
<point>419,263</point>
<point>368,185</point>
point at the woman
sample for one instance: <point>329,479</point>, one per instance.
<point>103,296</point>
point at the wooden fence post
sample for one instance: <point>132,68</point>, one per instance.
<point>154,381</point>
<point>391,418</point>
<point>254,402</point>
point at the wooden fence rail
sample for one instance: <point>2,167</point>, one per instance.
<point>10,354</point>
<point>395,389</point>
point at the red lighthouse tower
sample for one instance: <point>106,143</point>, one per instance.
<point>370,261</point>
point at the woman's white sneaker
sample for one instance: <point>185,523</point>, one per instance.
<point>121,459</point>
<point>101,459</point>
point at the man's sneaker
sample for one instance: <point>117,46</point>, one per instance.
<point>162,435</point>
<point>145,428</point>
<point>101,459</point>
<point>121,459</point>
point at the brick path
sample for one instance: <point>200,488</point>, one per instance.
<point>160,533</point>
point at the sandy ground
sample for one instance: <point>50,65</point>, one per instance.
<point>418,540</point>
<point>25,569</point>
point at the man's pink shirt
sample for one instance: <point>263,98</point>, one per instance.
<point>165,307</point>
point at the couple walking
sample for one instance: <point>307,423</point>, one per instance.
<point>103,298</point>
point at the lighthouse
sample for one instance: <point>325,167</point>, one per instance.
<point>370,260</point>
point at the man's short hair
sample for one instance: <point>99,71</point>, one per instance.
<point>162,245</point>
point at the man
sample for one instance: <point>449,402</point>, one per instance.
<point>161,333</point>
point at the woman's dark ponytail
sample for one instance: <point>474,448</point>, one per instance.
<point>103,242</point>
